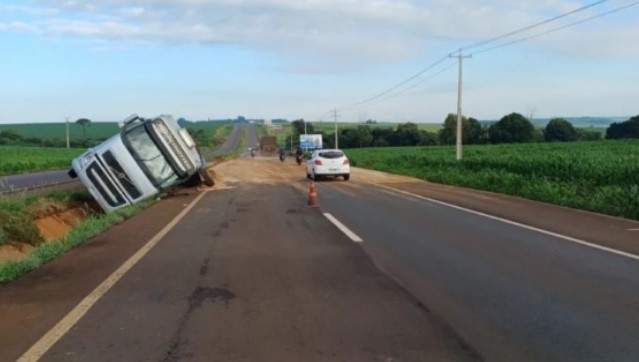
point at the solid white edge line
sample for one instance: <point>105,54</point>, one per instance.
<point>50,338</point>
<point>343,228</point>
<point>518,224</point>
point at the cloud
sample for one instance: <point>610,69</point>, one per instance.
<point>333,31</point>
<point>17,26</point>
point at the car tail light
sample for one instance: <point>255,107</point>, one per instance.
<point>346,162</point>
<point>318,162</point>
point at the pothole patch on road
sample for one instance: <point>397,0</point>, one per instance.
<point>202,294</point>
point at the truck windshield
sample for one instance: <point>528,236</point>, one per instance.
<point>149,157</point>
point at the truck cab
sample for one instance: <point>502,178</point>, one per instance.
<point>149,155</point>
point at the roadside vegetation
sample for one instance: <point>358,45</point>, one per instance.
<point>37,229</point>
<point>512,128</point>
<point>596,176</point>
<point>15,159</point>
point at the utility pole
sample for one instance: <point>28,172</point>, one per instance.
<point>460,58</point>
<point>68,142</point>
<point>304,126</point>
<point>336,137</point>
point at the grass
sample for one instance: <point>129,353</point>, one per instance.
<point>97,130</point>
<point>16,159</point>
<point>45,252</point>
<point>596,176</point>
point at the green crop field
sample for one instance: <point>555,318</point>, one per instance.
<point>15,160</point>
<point>597,176</point>
<point>97,130</point>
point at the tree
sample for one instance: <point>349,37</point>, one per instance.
<point>382,136</point>
<point>11,135</point>
<point>512,128</point>
<point>626,129</point>
<point>559,129</point>
<point>588,135</point>
<point>428,138</point>
<point>364,136</point>
<point>298,127</point>
<point>84,122</point>
<point>472,130</point>
<point>406,134</point>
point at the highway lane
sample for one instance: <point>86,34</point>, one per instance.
<point>14,183</point>
<point>230,143</point>
<point>251,274</point>
<point>251,136</point>
<point>512,294</point>
<point>248,275</point>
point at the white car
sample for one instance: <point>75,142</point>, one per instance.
<point>328,163</point>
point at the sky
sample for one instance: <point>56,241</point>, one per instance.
<point>200,59</point>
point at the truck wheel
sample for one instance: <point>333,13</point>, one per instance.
<point>193,181</point>
<point>207,178</point>
<point>72,173</point>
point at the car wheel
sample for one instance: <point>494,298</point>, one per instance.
<point>206,177</point>
<point>72,173</point>
<point>347,177</point>
<point>308,175</point>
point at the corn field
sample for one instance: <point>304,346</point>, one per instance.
<point>15,160</point>
<point>596,176</point>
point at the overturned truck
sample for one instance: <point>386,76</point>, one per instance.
<point>148,156</point>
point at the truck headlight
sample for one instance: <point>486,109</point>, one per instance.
<point>87,158</point>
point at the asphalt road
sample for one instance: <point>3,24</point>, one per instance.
<point>250,274</point>
<point>251,136</point>
<point>511,293</point>
<point>15,183</point>
<point>230,143</point>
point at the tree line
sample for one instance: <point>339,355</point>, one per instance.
<point>512,128</point>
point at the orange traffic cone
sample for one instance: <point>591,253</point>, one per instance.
<point>312,196</point>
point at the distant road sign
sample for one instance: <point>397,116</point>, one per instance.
<point>311,141</point>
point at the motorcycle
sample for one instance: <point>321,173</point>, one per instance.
<point>282,157</point>
<point>252,152</point>
<point>298,159</point>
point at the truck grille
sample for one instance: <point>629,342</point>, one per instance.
<point>120,175</point>
<point>103,184</point>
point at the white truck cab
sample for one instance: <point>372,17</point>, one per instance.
<point>147,156</point>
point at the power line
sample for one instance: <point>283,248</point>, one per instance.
<point>396,86</point>
<point>391,96</point>
<point>557,29</point>
<point>529,27</point>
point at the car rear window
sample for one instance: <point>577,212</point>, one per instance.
<point>331,154</point>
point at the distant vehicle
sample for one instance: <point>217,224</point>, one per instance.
<point>324,163</point>
<point>268,145</point>
<point>149,155</point>
<point>282,154</point>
